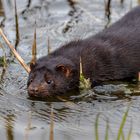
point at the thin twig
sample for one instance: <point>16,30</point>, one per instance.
<point>49,47</point>
<point>21,61</point>
<point>107,8</point>
<point>17,26</point>
<point>34,48</point>
<point>139,76</point>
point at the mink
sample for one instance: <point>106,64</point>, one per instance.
<point>112,54</point>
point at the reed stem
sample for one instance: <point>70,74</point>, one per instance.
<point>18,57</point>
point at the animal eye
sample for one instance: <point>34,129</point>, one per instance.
<point>31,80</point>
<point>50,82</point>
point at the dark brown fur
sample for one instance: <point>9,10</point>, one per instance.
<point>112,54</point>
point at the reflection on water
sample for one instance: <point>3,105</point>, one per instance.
<point>1,9</point>
<point>72,14</point>
<point>107,8</point>
<point>1,14</point>
<point>9,125</point>
<point>74,117</point>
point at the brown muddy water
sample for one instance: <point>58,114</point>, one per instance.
<point>75,118</point>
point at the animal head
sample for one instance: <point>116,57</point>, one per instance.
<point>52,76</point>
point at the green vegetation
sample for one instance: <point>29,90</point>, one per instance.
<point>120,135</point>
<point>84,83</point>
<point>96,127</point>
<point>120,131</point>
<point>107,131</point>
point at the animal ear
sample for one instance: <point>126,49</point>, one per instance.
<point>32,65</point>
<point>64,69</point>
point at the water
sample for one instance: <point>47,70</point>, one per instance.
<point>75,118</point>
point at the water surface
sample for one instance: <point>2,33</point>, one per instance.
<point>74,119</point>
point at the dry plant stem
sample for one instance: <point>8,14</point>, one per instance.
<point>34,49</point>
<point>1,9</point>
<point>18,57</point>
<point>81,69</point>
<point>139,76</point>
<point>17,26</point>
<point>49,47</point>
<point>107,8</point>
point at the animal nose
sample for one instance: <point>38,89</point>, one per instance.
<point>34,89</point>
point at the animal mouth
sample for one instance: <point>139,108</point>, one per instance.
<point>38,94</point>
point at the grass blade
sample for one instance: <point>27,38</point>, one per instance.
<point>130,132</point>
<point>120,131</point>
<point>107,130</point>
<point>123,137</point>
<point>96,127</point>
